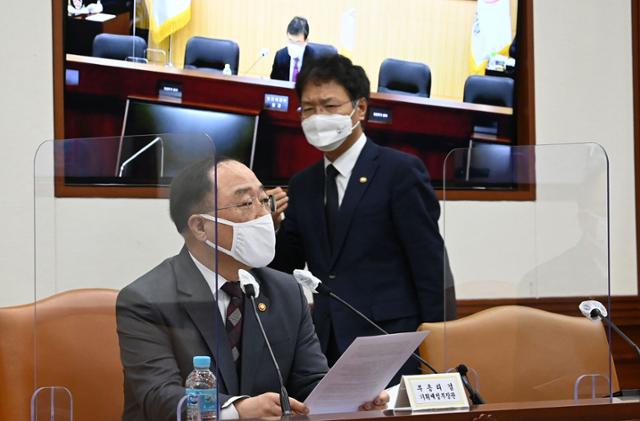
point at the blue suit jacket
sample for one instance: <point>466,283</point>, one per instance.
<point>387,258</point>
<point>282,62</point>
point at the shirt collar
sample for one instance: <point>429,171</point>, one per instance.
<point>345,162</point>
<point>208,274</point>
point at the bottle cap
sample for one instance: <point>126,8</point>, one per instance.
<point>200,361</point>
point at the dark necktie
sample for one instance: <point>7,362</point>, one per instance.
<point>233,321</point>
<point>296,69</point>
<point>331,204</point>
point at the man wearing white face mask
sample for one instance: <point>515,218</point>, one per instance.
<point>288,61</point>
<point>364,218</point>
<point>170,314</point>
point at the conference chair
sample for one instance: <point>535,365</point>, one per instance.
<point>323,50</point>
<point>211,54</point>
<point>119,47</point>
<point>405,78</point>
<point>489,90</point>
<point>72,338</point>
<point>521,353</point>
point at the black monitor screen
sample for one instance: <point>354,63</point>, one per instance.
<point>233,134</point>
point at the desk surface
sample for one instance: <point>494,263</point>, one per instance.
<point>597,409</point>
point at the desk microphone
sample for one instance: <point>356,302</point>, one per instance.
<point>307,279</point>
<point>595,311</point>
<point>251,288</point>
<point>144,148</point>
<point>262,54</point>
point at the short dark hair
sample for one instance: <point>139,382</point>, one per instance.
<point>335,68</point>
<point>189,190</point>
<point>297,26</point>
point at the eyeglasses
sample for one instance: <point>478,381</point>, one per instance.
<point>268,203</point>
<point>309,110</point>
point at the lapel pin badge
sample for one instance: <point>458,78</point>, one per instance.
<point>363,180</point>
<point>262,307</point>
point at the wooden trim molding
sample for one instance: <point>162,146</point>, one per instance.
<point>635,47</point>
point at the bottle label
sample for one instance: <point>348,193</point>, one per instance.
<point>204,399</point>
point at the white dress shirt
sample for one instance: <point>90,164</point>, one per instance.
<point>344,165</point>
<point>227,411</point>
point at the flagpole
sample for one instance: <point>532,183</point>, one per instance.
<point>170,62</point>
<point>133,43</point>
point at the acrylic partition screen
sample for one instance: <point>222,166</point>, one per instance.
<point>88,253</point>
<point>528,264</point>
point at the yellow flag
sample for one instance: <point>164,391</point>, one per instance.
<point>167,17</point>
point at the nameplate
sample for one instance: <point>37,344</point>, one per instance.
<point>432,392</point>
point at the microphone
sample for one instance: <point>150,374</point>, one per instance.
<point>475,396</point>
<point>262,54</point>
<point>144,148</point>
<point>307,279</point>
<point>595,311</point>
<point>251,288</point>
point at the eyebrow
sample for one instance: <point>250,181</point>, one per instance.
<point>245,190</point>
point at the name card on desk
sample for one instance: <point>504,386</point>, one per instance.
<point>432,392</point>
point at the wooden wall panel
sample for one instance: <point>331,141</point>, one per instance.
<point>436,32</point>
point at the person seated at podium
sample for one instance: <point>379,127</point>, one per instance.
<point>169,315</point>
<point>288,61</point>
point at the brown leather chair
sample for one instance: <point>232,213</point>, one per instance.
<point>521,353</point>
<point>73,344</point>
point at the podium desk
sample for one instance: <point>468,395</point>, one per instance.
<point>596,409</point>
<point>97,89</point>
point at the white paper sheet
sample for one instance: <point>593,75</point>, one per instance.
<point>362,372</point>
<point>100,17</point>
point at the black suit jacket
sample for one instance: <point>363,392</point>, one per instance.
<point>387,258</point>
<point>169,315</point>
<point>282,62</point>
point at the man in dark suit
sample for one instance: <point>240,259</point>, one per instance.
<point>169,314</point>
<point>288,61</point>
<point>364,218</point>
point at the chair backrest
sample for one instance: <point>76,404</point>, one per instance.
<point>405,78</point>
<point>211,54</point>
<point>76,346</point>
<point>119,47</point>
<point>489,90</point>
<point>323,50</point>
<point>520,353</point>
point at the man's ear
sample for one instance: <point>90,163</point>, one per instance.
<point>363,105</point>
<point>195,225</point>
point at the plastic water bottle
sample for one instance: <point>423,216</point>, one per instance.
<point>227,70</point>
<point>201,389</point>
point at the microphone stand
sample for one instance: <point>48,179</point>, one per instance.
<point>284,395</point>
<point>624,392</point>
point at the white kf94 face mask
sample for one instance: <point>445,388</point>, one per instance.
<point>327,132</point>
<point>254,242</point>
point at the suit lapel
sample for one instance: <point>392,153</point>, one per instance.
<point>196,298</point>
<point>253,346</point>
<point>365,169</point>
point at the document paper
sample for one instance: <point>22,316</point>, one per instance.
<point>362,372</point>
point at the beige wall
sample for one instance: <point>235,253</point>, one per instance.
<point>109,242</point>
<point>436,32</point>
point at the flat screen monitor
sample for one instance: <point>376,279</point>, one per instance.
<point>233,134</point>
<point>157,141</point>
<point>484,166</point>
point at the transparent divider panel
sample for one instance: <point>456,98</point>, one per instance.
<point>89,245</point>
<point>530,262</point>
